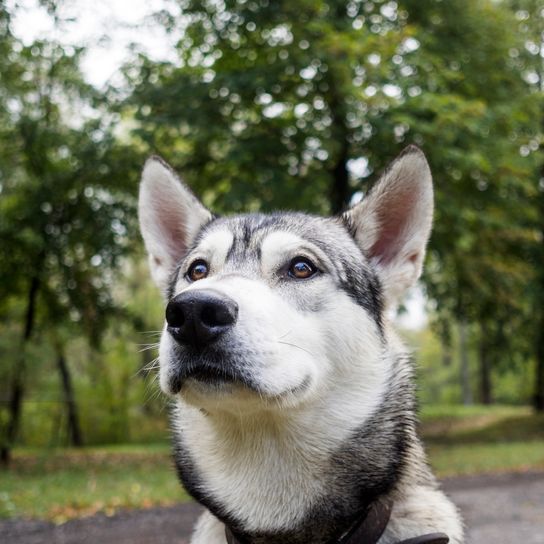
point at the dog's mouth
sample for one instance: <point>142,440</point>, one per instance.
<point>213,375</point>
<point>216,372</point>
<point>213,379</point>
<point>209,373</point>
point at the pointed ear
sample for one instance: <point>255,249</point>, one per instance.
<point>170,217</point>
<point>393,222</point>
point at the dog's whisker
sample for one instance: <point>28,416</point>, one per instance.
<point>152,364</point>
<point>147,368</point>
<point>148,347</point>
<point>296,346</point>
<point>153,391</point>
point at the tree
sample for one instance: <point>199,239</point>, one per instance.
<point>268,101</point>
<point>472,112</point>
<point>529,15</point>
<point>294,104</point>
<point>65,207</point>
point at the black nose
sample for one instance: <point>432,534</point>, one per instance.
<point>199,317</point>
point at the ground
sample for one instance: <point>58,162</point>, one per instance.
<point>498,509</point>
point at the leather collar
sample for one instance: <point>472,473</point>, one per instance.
<point>367,529</point>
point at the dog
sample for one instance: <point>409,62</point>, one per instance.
<point>294,414</point>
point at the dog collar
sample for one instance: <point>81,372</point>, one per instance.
<point>367,529</point>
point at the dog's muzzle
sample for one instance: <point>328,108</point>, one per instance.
<point>199,317</point>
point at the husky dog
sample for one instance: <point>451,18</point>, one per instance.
<point>294,400</point>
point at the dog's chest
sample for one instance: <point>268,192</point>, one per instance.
<point>254,474</point>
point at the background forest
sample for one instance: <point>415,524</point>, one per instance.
<point>263,104</point>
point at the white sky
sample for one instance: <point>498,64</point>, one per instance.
<point>415,317</point>
<point>107,28</point>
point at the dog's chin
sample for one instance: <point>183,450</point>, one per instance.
<point>216,390</point>
<point>205,393</point>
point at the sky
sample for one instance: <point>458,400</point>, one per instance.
<point>107,28</point>
<point>415,316</point>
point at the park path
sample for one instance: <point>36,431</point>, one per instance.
<point>498,509</point>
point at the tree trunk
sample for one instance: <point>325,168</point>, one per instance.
<point>485,367</point>
<point>465,371</point>
<point>446,354</point>
<point>74,429</point>
<point>340,184</point>
<point>18,380</point>
<point>339,190</point>
<point>539,381</point>
<point>539,305</point>
<point>538,397</point>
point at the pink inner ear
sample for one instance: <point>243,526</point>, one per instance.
<point>173,230</point>
<point>395,213</point>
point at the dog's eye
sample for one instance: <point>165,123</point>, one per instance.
<point>198,270</point>
<point>301,268</point>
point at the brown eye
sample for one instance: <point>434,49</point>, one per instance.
<point>301,268</point>
<point>198,270</point>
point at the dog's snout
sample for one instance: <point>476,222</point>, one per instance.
<point>199,317</point>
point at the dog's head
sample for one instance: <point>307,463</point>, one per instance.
<point>267,310</point>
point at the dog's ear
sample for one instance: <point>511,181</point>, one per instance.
<point>170,217</point>
<point>393,222</point>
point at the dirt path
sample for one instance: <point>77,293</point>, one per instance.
<point>503,509</point>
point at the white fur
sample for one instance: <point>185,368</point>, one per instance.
<point>422,510</point>
<point>290,347</point>
<point>213,249</point>
<point>208,530</point>
<point>255,463</point>
<point>291,434</point>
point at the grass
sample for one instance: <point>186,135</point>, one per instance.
<point>64,484</point>
<point>486,458</point>
<point>73,483</point>
<point>483,439</point>
<point>457,412</point>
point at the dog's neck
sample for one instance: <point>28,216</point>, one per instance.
<point>296,474</point>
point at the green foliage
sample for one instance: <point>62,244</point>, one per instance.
<point>65,208</point>
<point>482,458</point>
<point>115,384</point>
<point>438,373</point>
<point>268,101</point>
<point>268,104</point>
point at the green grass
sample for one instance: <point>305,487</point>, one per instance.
<point>486,458</point>
<point>74,483</point>
<point>483,439</point>
<point>64,484</point>
<point>450,412</point>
